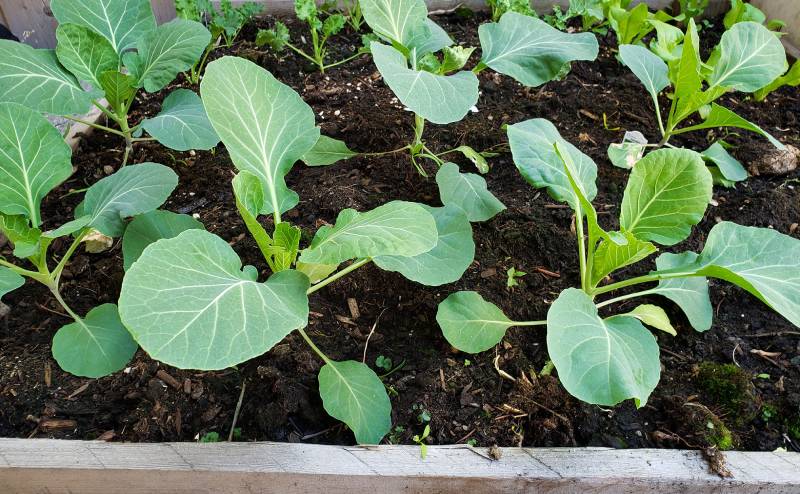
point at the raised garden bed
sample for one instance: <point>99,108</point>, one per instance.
<point>745,371</point>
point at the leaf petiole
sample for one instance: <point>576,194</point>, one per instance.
<point>344,272</point>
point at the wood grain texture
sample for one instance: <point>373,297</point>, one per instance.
<point>31,21</point>
<point>42,466</point>
<point>786,10</point>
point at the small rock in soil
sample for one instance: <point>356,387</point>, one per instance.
<point>775,161</point>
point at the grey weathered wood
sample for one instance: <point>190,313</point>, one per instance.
<point>31,22</point>
<point>41,466</point>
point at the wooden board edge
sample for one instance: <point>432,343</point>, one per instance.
<point>41,466</point>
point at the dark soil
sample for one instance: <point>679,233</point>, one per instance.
<point>464,396</point>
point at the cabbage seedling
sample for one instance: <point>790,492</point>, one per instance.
<point>109,49</point>
<point>748,58</point>
<point>190,303</point>
<point>605,359</point>
<point>277,38</point>
<point>436,88</point>
<point>34,160</point>
<point>224,24</point>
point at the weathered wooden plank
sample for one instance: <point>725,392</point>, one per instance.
<point>31,21</point>
<point>53,467</point>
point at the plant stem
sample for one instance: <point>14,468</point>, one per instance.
<point>384,153</point>
<point>128,134</point>
<point>302,54</point>
<point>56,275</point>
<point>313,346</point>
<point>57,294</point>
<point>642,279</point>
<point>340,62</point>
<point>530,323</point>
<point>237,410</point>
<point>625,297</point>
<point>330,279</point>
<point>94,125</point>
<point>25,272</point>
<point>419,129</point>
<point>581,247</point>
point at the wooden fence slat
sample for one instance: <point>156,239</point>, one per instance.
<point>42,466</point>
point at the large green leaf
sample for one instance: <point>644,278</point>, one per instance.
<point>647,67</point>
<point>530,50</point>
<point>148,228</point>
<point>36,79</point>
<point>446,262</point>
<point>394,20</point>
<point>121,23</point>
<point>327,151</point>
<point>264,124</point>
<point>96,345</point>
<point>132,190</point>
<point>764,262</point>
<point>611,256</point>
<point>189,303</point>
<point>722,117</point>
<point>441,99</point>
<point>428,37</point>
<point>397,228</point>
<point>162,54</point>
<point>34,159</point>
<point>690,294</point>
<point>532,147</point>
<point>85,53</point>
<point>600,361</point>
<point>751,56</point>
<point>470,323</point>
<point>354,394</point>
<point>468,192</point>
<point>9,281</point>
<point>729,167</point>
<point>182,123</point>
<point>667,193</point>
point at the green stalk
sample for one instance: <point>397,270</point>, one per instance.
<point>344,272</point>
<point>530,323</point>
<point>648,278</point>
<point>340,62</point>
<point>56,274</point>
<point>40,277</point>
<point>57,294</point>
<point>622,298</point>
<point>581,247</point>
<point>313,346</point>
<point>96,126</point>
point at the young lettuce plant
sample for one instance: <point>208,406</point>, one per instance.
<point>224,24</point>
<point>188,301</point>
<point>748,58</point>
<point>34,160</point>
<point>277,38</point>
<point>114,49</point>
<point>436,89</point>
<point>605,359</point>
